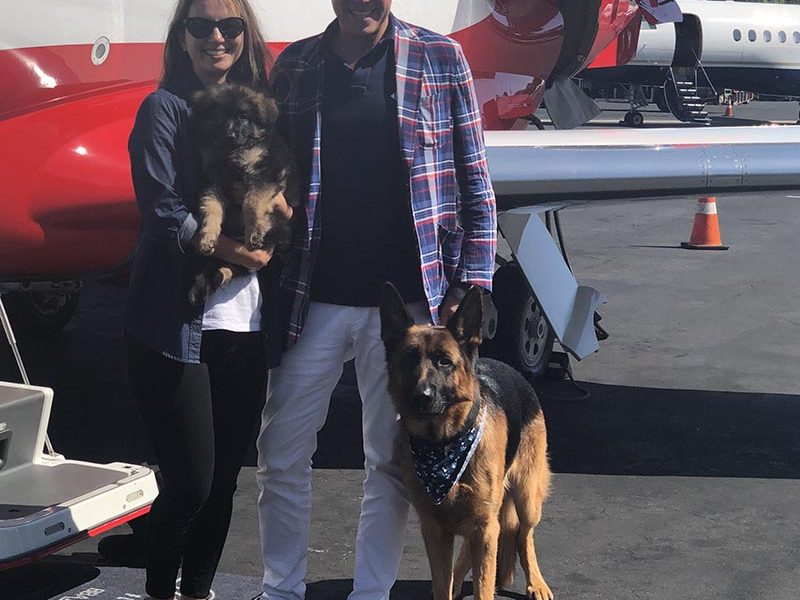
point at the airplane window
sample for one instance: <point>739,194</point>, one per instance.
<point>751,35</point>
<point>796,37</point>
<point>782,37</point>
<point>767,36</point>
<point>737,35</point>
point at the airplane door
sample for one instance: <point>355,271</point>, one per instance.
<point>688,42</point>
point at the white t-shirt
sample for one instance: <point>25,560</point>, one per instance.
<point>235,306</point>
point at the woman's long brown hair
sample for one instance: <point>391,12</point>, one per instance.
<point>250,69</point>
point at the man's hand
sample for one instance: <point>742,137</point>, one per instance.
<point>448,308</point>
<point>455,294</point>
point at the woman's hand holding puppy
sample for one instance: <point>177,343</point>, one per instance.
<point>234,251</point>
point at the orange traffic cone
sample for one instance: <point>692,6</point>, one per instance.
<point>705,232</point>
<point>729,108</point>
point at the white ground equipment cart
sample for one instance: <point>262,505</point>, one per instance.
<point>48,502</point>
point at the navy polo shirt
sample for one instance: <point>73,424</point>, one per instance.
<point>367,231</point>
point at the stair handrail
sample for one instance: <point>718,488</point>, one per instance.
<point>705,74</point>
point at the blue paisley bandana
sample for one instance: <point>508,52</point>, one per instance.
<point>440,467</point>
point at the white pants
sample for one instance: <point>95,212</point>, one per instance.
<point>298,396</point>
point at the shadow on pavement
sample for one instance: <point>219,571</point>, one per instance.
<point>620,430</point>
<point>625,430</point>
<point>44,580</point>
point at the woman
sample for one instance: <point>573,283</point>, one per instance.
<point>197,374</point>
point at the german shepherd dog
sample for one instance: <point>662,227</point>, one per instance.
<point>245,166</point>
<point>451,404</point>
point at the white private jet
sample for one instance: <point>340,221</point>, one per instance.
<point>720,44</point>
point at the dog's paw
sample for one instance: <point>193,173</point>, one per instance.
<point>540,591</point>
<point>255,241</point>
<point>222,276</point>
<point>206,245</point>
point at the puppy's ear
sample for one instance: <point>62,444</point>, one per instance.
<point>395,319</point>
<point>467,324</point>
<point>267,110</point>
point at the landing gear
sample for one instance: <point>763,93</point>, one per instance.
<point>524,338</point>
<point>42,312</point>
<point>634,118</point>
<point>536,122</point>
<point>660,99</point>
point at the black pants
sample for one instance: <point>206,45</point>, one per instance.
<point>199,419</point>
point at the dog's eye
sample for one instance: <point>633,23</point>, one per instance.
<point>444,362</point>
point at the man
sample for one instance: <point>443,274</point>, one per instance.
<point>385,127</point>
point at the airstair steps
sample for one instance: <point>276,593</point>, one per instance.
<point>685,103</point>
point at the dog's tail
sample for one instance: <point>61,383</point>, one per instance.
<point>507,544</point>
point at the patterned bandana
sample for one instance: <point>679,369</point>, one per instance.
<point>439,467</point>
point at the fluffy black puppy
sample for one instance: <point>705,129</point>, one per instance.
<point>245,166</point>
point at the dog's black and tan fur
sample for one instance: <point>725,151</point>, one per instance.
<point>435,377</point>
<point>245,166</point>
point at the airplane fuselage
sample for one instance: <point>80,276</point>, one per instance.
<point>74,74</point>
<point>746,46</point>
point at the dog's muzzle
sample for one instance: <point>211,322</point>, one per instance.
<point>427,400</point>
<point>240,131</point>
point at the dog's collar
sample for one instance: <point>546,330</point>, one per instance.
<point>439,466</point>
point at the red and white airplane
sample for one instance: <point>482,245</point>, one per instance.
<point>74,74</point>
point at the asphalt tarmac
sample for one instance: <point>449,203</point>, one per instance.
<point>678,477</point>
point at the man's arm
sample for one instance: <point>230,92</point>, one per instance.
<point>477,210</point>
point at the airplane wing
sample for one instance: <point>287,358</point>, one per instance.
<point>530,169</point>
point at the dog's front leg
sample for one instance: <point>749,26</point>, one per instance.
<point>483,546</point>
<point>463,565</point>
<point>212,213</point>
<point>439,546</point>
<point>256,208</point>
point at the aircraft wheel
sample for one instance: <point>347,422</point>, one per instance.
<point>634,118</point>
<point>41,313</point>
<point>524,338</point>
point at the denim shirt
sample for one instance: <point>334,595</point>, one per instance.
<point>166,178</point>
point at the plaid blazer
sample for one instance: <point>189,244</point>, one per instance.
<point>442,148</point>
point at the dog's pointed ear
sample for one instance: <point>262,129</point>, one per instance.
<point>467,324</point>
<point>395,318</point>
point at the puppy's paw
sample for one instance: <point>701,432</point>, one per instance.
<point>255,241</point>
<point>206,244</point>
<point>222,276</point>
<point>540,591</point>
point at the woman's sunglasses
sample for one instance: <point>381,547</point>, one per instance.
<point>201,28</point>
